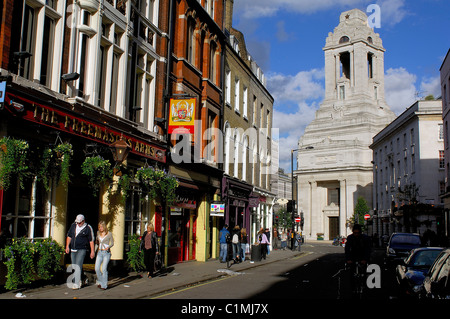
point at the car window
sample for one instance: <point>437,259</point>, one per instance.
<point>437,265</point>
<point>423,258</point>
<point>405,240</point>
<point>443,273</point>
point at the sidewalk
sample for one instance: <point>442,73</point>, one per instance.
<point>135,286</point>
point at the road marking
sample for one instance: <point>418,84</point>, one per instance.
<point>302,255</point>
<point>193,286</point>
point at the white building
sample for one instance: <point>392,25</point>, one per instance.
<point>338,169</point>
<point>408,163</point>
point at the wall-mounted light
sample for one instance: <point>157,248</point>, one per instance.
<point>120,150</point>
<point>70,76</point>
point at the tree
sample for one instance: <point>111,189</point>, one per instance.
<point>361,209</point>
<point>284,218</point>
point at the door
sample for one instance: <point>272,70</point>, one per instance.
<point>333,227</point>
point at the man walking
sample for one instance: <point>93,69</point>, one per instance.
<point>80,238</point>
<point>224,236</point>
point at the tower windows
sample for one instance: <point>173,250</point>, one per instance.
<point>370,65</point>
<point>345,64</point>
<point>344,39</point>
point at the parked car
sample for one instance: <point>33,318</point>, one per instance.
<point>411,273</point>
<point>399,246</point>
<point>436,284</point>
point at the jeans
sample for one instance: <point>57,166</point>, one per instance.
<point>236,250</point>
<point>101,267</point>
<point>223,252</point>
<point>243,248</point>
<point>77,258</point>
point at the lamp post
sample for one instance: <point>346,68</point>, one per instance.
<point>292,181</point>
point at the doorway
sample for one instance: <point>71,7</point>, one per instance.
<point>333,230</point>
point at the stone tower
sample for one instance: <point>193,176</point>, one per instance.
<point>338,169</point>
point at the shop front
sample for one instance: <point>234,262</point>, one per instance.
<point>236,195</point>
<point>38,205</point>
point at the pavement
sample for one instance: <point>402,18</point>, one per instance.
<point>138,286</point>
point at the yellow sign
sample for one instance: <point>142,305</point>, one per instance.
<point>182,116</point>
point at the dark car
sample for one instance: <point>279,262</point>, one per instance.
<point>411,273</point>
<point>399,246</point>
<point>437,284</point>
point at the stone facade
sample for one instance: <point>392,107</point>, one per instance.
<point>338,169</point>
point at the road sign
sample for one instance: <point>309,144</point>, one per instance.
<point>366,216</point>
<point>297,220</point>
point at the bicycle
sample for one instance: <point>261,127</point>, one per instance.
<point>358,279</point>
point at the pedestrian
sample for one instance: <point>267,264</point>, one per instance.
<point>293,240</point>
<point>104,242</point>
<point>276,239</point>
<point>148,245</point>
<point>283,240</point>
<point>80,238</point>
<point>263,242</point>
<point>298,241</point>
<point>223,235</point>
<point>236,243</point>
<point>267,232</point>
<point>244,243</point>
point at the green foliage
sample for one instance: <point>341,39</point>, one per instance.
<point>48,254</point>
<point>13,155</point>
<point>361,209</point>
<point>27,260</point>
<point>55,162</point>
<point>284,218</point>
<point>157,184</point>
<point>135,257</point>
<point>98,171</point>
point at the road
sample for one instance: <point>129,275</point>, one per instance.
<point>314,275</point>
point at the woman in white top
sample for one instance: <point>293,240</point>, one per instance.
<point>104,242</point>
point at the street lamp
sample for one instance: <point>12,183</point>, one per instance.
<point>292,181</point>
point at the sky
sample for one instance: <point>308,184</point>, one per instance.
<point>286,37</point>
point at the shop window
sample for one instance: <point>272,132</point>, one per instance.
<point>136,216</point>
<point>26,211</point>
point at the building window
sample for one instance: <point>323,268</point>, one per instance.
<point>333,196</point>
<point>28,39</point>
<point>441,160</point>
<point>341,92</point>
<point>26,210</point>
<point>236,94</point>
<point>245,102</point>
<point>190,53</point>
<point>228,86</point>
<point>344,39</point>
<point>47,51</point>
<point>441,132</point>
<point>212,63</point>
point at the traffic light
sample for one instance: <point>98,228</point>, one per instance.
<point>290,205</point>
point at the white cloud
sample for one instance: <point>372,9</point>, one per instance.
<point>431,85</point>
<point>400,89</point>
<point>266,8</point>
<point>392,11</point>
<point>297,98</point>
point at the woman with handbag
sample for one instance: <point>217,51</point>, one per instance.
<point>149,244</point>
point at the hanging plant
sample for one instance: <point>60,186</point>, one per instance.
<point>97,170</point>
<point>64,154</point>
<point>157,184</point>
<point>55,162</point>
<point>13,155</point>
<point>124,185</point>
